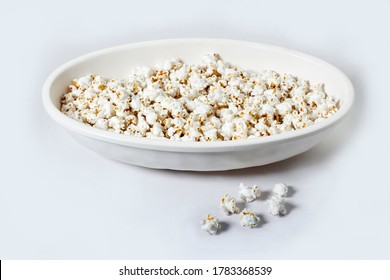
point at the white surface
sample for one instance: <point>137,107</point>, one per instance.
<point>201,156</point>
<point>60,200</point>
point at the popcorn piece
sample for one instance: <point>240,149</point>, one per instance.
<point>248,193</point>
<point>277,206</point>
<point>280,189</point>
<point>210,224</point>
<point>249,218</point>
<point>228,205</point>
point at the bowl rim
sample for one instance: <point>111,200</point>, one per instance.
<point>189,146</point>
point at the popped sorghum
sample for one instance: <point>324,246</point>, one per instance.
<point>211,101</point>
<point>249,193</point>
<point>228,205</point>
<point>210,224</point>
<point>249,218</point>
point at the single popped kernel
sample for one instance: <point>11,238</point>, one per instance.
<point>249,193</point>
<point>210,224</point>
<point>249,218</point>
<point>228,205</point>
<point>276,206</point>
<point>209,101</point>
<point>280,189</point>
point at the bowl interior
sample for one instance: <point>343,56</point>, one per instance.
<point>117,63</point>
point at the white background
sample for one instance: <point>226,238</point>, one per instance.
<point>59,200</point>
<point>110,269</point>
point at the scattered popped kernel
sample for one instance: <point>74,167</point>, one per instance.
<point>211,101</point>
<point>210,224</point>
<point>248,193</point>
<point>249,218</point>
<point>277,206</point>
<point>280,189</point>
<point>228,205</point>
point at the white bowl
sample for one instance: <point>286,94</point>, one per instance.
<point>198,156</point>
